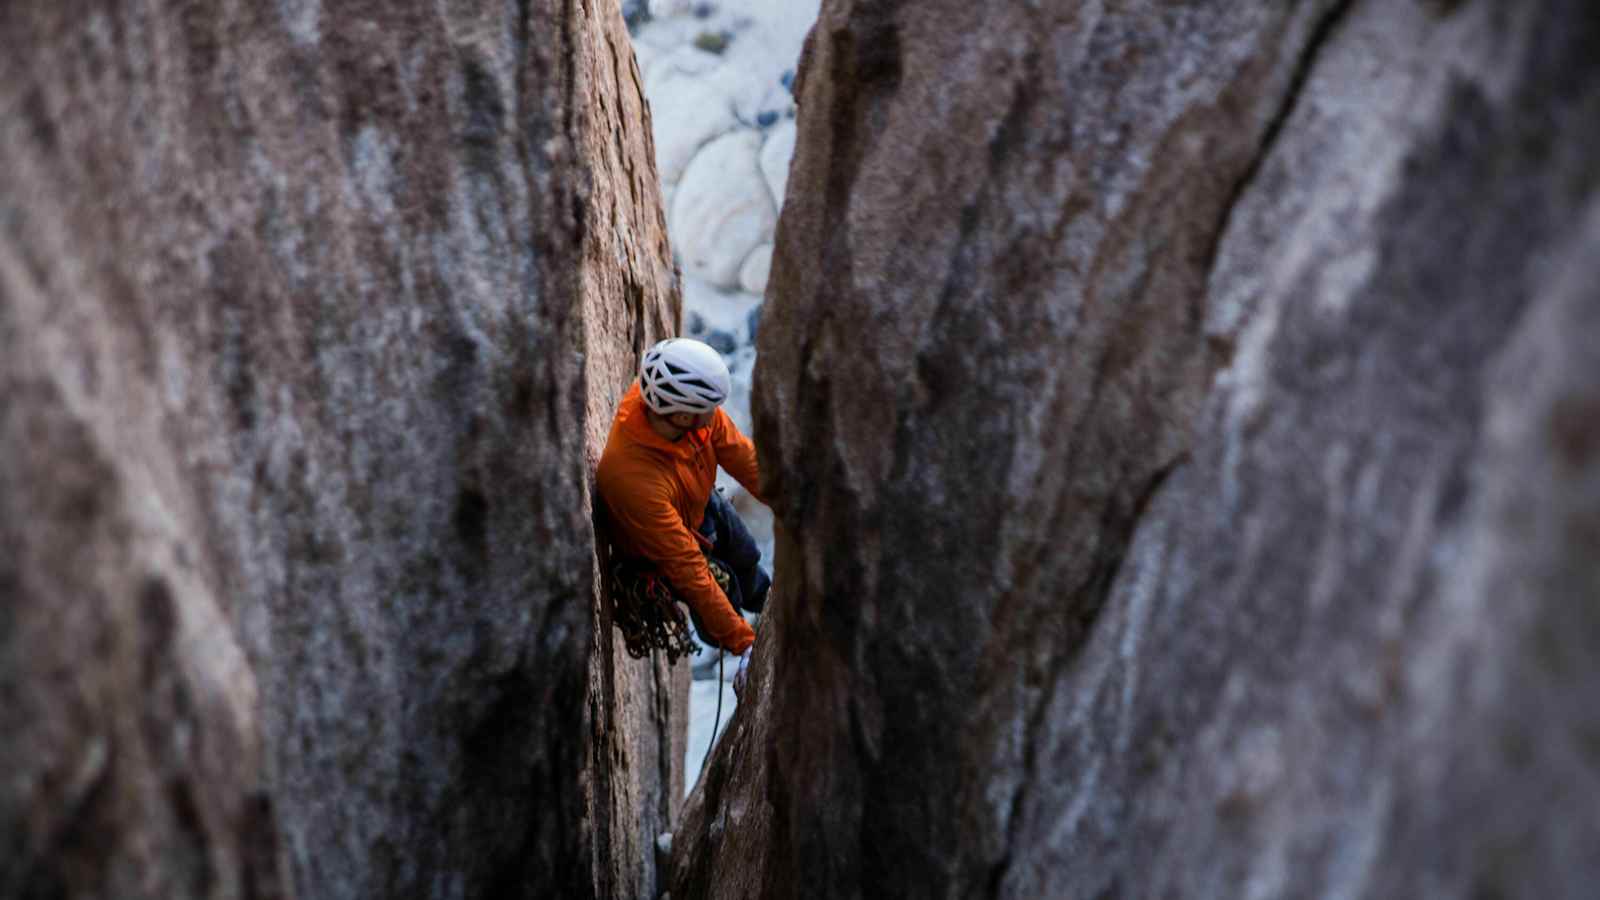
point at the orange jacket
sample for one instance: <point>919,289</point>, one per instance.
<point>656,492</point>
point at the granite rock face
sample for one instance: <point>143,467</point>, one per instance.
<point>637,709</point>
<point>1182,420</point>
<point>310,322</point>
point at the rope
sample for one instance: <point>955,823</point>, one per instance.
<point>716,721</point>
<point>650,618</point>
<point>648,615</point>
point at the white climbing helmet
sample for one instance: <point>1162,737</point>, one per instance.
<point>682,375</point>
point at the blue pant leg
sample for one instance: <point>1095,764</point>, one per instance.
<point>735,546</point>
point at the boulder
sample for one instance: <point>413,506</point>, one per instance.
<point>662,9</point>
<point>709,310</point>
<point>776,153</point>
<point>644,56</point>
<point>1181,430</point>
<point>310,323</point>
<point>635,12</point>
<point>716,67</point>
<point>721,210</point>
<point>753,273</point>
<point>753,323</point>
<point>688,110</point>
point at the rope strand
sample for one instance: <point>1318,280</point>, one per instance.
<point>716,721</point>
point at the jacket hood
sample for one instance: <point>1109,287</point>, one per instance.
<point>631,417</point>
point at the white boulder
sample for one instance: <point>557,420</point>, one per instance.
<point>666,9</point>
<point>757,266</point>
<point>709,310</point>
<point>756,45</point>
<point>775,156</point>
<point>686,108</point>
<point>644,54</point>
<point>686,59</point>
<point>722,209</point>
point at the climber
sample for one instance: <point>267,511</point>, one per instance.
<point>657,477</point>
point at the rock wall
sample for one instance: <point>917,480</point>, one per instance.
<point>1182,421</point>
<point>308,318</point>
<point>638,709</point>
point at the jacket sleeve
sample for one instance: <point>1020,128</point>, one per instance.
<point>737,454</point>
<point>657,531</point>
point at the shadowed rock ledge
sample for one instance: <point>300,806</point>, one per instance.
<point>311,320</point>
<point>1183,419</point>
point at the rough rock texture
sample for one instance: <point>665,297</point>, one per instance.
<point>307,318</point>
<point>1183,421</point>
<point>638,709</point>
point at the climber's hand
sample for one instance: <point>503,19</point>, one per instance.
<point>740,674</point>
